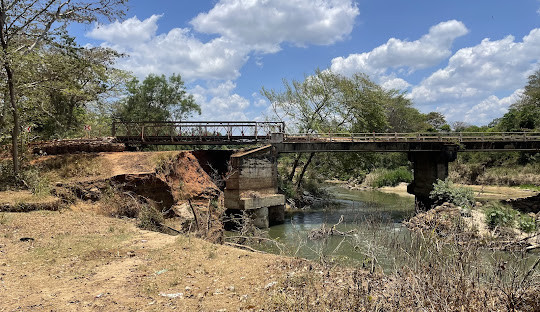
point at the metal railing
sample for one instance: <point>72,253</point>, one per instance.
<point>176,132</point>
<point>451,137</point>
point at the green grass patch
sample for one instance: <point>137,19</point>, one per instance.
<point>530,187</point>
<point>389,177</point>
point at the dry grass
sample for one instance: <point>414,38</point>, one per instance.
<point>84,262</point>
<point>504,176</point>
<point>436,275</point>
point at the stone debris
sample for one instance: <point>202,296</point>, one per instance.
<point>173,295</point>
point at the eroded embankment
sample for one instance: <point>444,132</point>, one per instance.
<point>165,191</point>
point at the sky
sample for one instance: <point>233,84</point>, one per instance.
<point>468,60</point>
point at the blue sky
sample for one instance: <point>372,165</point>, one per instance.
<point>466,59</point>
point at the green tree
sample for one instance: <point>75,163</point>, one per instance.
<point>77,81</point>
<point>524,114</point>
<point>156,99</point>
<point>401,115</point>
<point>436,121</point>
<point>27,25</point>
<point>328,102</point>
<point>310,106</point>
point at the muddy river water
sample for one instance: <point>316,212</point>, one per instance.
<point>375,236</point>
<point>369,219</point>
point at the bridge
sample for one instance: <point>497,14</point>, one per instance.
<point>255,171</point>
<point>251,132</point>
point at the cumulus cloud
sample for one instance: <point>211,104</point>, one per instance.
<point>243,26</point>
<point>127,33</point>
<point>393,83</point>
<point>219,102</point>
<point>429,50</point>
<point>263,25</point>
<point>475,72</point>
<point>177,51</point>
<point>479,112</point>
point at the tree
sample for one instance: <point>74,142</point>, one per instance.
<point>436,121</point>
<point>313,105</point>
<point>524,114</point>
<point>460,126</point>
<point>326,102</point>
<point>76,82</point>
<point>26,25</point>
<point>157,99</point>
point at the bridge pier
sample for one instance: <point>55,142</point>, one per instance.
<point>251,188</point>
<point>429,166</point>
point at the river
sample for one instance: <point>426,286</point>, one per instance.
<point>370,218</point>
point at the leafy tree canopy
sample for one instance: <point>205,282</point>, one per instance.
<point>525,114</point>
<point>156,99</point>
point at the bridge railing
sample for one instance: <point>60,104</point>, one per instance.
<point>452,137</point>
<point>195,131</point>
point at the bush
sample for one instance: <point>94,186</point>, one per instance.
<point>287,188</point>
<point>36,182</point>
<point>445,191</point>
<point>385,177</point>
<point>499,215</point>
<point>526,223</point>
<point>150,218</point>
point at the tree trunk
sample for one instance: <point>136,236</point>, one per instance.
<point>16,126</point>
<point>301,177</point>
<point>295,165</point>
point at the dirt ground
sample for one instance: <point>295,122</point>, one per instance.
<point>79,261</point>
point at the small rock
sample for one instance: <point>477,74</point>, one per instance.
<point>230,288</point>
<point>174,295</point>
<point>270,284</point>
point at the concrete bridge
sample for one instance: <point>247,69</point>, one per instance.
<point>252,185</point>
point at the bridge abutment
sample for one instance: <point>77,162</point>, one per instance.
<point>251,188</point>
<point>428,166</point>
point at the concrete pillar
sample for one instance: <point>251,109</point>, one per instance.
<point>428,168</point>
<point>252,187</point>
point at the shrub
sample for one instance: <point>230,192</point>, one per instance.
<point>499,215</point>
<point>315,188</point>
<point>287,188</point>
<point>385,177</point>
<point>445,191</point>
<point>37,183</point>
<point>150,218</point>
<point>526,223</point>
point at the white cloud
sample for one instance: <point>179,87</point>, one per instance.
<point>481,113</point>
<point>127,33</point>
<point>477,72</point>
<point>392,82</point>
<point>218,102</point>
<point>244,26</point>
<point>427,51</point>
<point>177,51</point>
<point>263,25</point>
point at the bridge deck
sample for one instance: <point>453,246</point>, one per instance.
<point>248,133</point>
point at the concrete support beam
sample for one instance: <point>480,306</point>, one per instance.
<point>428,168</point>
